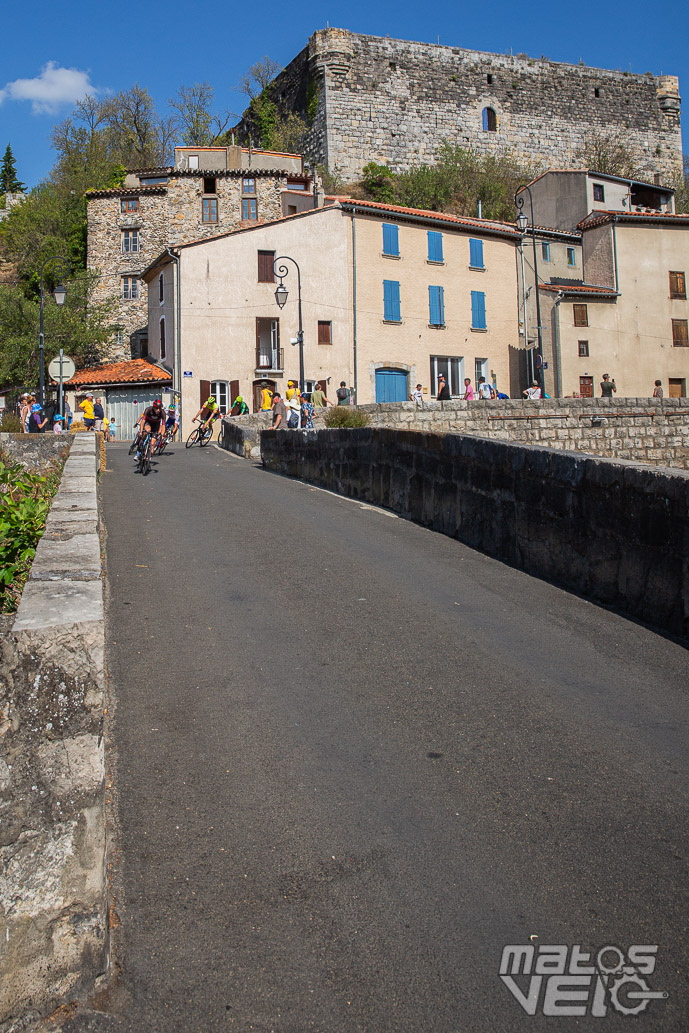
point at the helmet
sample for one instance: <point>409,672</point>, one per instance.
<point>171,408</point>
<point>210,400</point>
<point>238,399</point>
<point>157,403</point>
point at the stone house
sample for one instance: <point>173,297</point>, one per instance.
<point>392,101</point>
<point>206,191</point>
<point>391,297</point>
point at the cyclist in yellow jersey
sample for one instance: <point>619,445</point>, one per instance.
<point>208,413</point>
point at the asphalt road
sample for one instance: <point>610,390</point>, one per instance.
<point>354,759</point>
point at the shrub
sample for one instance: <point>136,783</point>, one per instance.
<point>24,504</point>
<point>345,416</point>
<point>10,423</point>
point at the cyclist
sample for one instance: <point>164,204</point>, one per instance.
<point>208,414</point>
<point>239,408</point>
<point>151,419</point>
<point>171,422</point>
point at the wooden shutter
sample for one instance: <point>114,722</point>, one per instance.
<point>390,239</point>
<point>234,391</point>
<point>678,287</point>
<point>324,336</point>
<point>680,338</point>
<point>435,246</point>
<point>391,300</point>
<point>478,310</point>
<point>205,386</point>
<point>436,306</point>
<point>266,272</point>
<point>581,315</point>
<point>476,253</point>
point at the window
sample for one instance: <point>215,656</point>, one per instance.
<point>391,301</point>
<point>209,185</point>
<point>581,315</point>
<point>162,337</point>
<point>266,264</point>
<point>571,256</point>
<point>435,246</point>
<point>150,181</point>
<point>680,339</point>
<point>325,332</point>
<point>248,185</point>
<point>678,285</point>
<point>598,192</point>
<point>436,306</point>
<point>119,338</point>
<point>489,79</point>
<point>291,209</point>
<point>545,251</point>
<point>490,120</point>
<point>583,349</point>
<point>220,390</point>
<point>391,243</point>
<point>478,310</point>
<point>130,241</point>
<point>249,209</point>
<point>476,254</point>
<point>130,288</point>
<point>296,184</point>
<point>161,289</point>
<point>452,368</point>
<point>596,91</point>
<point>193,161</point>
<point>129,205</point>
<point>209,212</point>
<point>480,369</point>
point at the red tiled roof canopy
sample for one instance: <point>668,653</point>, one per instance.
<point>488,225</point>
<point>133,371</point>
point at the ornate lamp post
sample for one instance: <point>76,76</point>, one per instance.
<point>522,223</point>
<point>281,295</point>
<point>59,293</point>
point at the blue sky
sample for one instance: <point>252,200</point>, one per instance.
<point>54,54</point>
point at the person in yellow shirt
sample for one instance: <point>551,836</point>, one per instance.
<point>106,428</point>
<point>266,398</point>
<point>87,407</point>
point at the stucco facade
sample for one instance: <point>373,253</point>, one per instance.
<point>225,312</point>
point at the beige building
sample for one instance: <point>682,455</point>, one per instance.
<point>208,190</point>
<point>391,297</point>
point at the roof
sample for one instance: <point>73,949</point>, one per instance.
<point>599,175</point>
<point>133,371</point>
<point>662,218</point>
<point>591,290</point>
<point>126,191</point>
<point>485,225</point>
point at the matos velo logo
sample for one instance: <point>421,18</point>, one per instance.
<point>559,980</point>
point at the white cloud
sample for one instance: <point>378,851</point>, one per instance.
<point>51,89</point>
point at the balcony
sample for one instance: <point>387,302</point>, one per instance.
<point>272,362</point>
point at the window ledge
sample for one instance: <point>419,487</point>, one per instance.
<point>478,268</point>
<point>434,261</point>
<point>479,329</point>
<point>437,326</point>
<point>393,322</point>
<point>395,258</point>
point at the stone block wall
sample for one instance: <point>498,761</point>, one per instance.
<point>394,101</point>
<point>615,532</point>
<point>35,450</point>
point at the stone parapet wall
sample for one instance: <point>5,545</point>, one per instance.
<point>646,430</point>
<point>53,911</point>
<point>615,532</point>
<point>35,450</point>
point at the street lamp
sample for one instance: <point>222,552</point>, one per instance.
<point>281,295</point>
<point>59,293</point>
<point>522,223</point>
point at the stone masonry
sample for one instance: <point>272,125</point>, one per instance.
<point>168,214</point>
<point>393,102</point>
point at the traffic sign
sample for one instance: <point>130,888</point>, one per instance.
<point>68,368</point>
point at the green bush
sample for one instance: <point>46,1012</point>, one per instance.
<point>345,416</point>
<point>24,504</point>
<point>10,423</point>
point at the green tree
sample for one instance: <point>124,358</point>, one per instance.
<point>379,183</point>
<point>199,124</point>
<point>9,184</point>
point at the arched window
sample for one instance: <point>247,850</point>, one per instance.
<point>490,120</point>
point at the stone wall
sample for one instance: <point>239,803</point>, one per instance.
<point>35,450</point>
<point>615,532</point>
<point>394,101</point>
<point>52,801</point>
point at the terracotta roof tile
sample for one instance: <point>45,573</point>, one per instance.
<point>581,288</point>
<point>133,371</point>
<point>600,218</point>
<point>458,220</point>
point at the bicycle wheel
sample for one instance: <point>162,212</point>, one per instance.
<point>193,437</point>
<point>146,460</point>
<point>132,447</point>
<point>205,437</point>
<point>144,453</point>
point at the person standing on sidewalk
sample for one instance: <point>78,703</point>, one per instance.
<point>99,414</point>
<point>443,389</point>
<point>279,412</point>
<point>608,387</point>
<point>342,394</point>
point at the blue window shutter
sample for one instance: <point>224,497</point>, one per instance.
<point>436,305</point>
<point>435,246</point>
<point>390,239</point>
<point>478,310</point>
<point>391,300</point>
<point>476,253</point>
<point>441,304</point>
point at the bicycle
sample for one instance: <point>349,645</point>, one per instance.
<point>202,434</point>
<point>144,456</point>
<point>135,443</point>
<point>161,444</point>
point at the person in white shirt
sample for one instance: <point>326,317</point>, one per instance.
<point>533,392</point>
<point>417,395</point>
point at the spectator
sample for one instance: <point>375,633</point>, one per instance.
<point>25,411</point>
<point>443,389</point>
<point>106,428</point>
<point>112,430</point>
<point>658,389</point>
<point>343,394</point>
<point>99,414</point>
<point>307,411</point>
<point>266,397</point>
<point>69,414</point>
<point>485,391</point>
<point>608,387</point>
<point>37,420</point>
<point>532,393</point>
<point>87,408</point>
<point>279,412</point>
<point>468,390</point>
<point>417,395</point>
<point>57,424</point>
<point>318,399</point>
<point>293,404</point>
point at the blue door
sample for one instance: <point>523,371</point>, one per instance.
<point>391,385</point>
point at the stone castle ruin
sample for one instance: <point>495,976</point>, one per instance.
<point>393,102</point>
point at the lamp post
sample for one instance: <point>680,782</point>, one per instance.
<point>522,223</point>
<point>59,293</point>
<point>281,295</point>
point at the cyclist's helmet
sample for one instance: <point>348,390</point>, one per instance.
<point>171,408</point>
<point>211,400</point>
<point>158,404</point>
